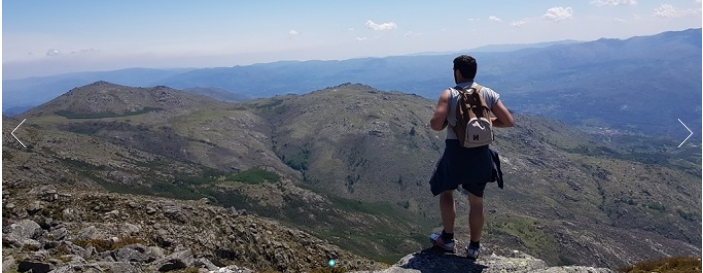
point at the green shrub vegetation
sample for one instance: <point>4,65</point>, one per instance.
<point>688,216</point>
<point>268,104</point>
<point>665,265</point>
<point>525,230</point>
<point>254,176</point>
<point>299,161</point>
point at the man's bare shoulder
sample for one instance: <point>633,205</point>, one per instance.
<point>445,93</point>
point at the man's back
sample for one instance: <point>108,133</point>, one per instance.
<point>471,168</point>
<point>488,95</point>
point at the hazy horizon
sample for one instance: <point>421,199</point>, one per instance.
<point>49,38</point>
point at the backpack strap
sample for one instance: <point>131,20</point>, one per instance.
<point>476,95</point>
<point>477,87</point>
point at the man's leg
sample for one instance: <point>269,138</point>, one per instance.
<point>475,217</point>
<point>448,210</point>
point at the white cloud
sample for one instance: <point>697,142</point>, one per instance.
<point>292,33</point>
<point>495,19</point>
<point>53,53</point>
<point>517,23</point>
<point>669,11</point>
<point>600,3</point>
<point>557,14</point>
<point>85,51</point>
<point>350,29</point>
<point>384,26</point>
<point>412,33</point>
<point>665,11</point>
<point>361,39</point>
<point>619,20</point>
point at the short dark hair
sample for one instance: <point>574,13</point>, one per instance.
<point>467,66</point>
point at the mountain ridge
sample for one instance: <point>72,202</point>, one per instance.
<point>104,99</point>
<point>360,161</point>
<point>559,81</point>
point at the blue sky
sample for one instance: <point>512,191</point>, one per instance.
<point>53,37</point>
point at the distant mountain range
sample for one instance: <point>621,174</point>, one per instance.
<point>514,47</point>
<point>499,48</point>
<point>637,85</point>
<point>217,93</point>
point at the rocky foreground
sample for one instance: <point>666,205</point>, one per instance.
<point>50,230</point>
<point>432,260</point>
<point>47,229</point>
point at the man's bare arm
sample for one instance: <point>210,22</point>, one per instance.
<point>502,118</point>
<point>439,118</point>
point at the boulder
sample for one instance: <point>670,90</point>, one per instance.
<point>177,260</point>
<point>35,267</point>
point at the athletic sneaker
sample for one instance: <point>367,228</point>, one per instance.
<point>472,253</point>
<point>439,242</point>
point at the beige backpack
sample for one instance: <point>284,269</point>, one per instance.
<point>473,120</point>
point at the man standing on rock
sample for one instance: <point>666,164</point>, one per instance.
<point>471,168</point>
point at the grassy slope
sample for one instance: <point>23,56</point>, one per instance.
<point>371,164</point>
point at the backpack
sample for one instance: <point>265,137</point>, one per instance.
<point>473,121</point>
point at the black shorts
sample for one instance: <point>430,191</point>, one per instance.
<point>471,168</point>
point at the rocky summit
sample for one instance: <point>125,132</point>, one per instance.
<point>433,260</point>
<point>48,229</point>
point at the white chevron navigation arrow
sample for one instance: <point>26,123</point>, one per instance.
<point>13,133</point>
<point>684,125</point>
